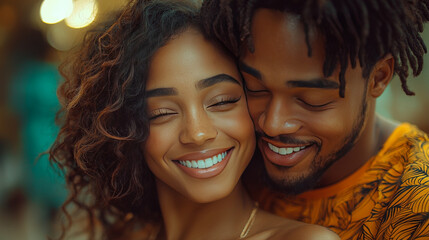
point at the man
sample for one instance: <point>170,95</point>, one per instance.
<point>313,72</point>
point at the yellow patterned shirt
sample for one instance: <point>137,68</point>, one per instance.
<point>387,198</point>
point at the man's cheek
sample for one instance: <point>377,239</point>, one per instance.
<point>256,109</point>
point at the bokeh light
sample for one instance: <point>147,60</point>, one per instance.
<point>84,13</point>
<point>61,37</point>
<point>54,11</point>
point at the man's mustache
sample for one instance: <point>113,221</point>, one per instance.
<point>286,139</point>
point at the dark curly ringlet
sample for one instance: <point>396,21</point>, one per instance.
<point>103,118</point>
<point>363,30</point>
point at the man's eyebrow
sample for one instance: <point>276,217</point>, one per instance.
<point>208,82</point>
<point>248,69</point>
<point>313,83</point>
<point>158,92</point>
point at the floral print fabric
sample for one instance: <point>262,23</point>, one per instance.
<point>387,198</point>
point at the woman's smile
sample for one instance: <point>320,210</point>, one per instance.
<point>205,164</point>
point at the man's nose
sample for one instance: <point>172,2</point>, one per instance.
<point>279,118</point>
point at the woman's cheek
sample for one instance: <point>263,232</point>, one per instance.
<point>237,124</point>
<point>160,138</point>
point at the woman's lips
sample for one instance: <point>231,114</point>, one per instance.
<point>202,154</point>
<point>206,165</point>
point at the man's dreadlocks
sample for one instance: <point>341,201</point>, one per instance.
<point>366,30</point>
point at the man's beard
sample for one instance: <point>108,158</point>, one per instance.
<point>319,166</point>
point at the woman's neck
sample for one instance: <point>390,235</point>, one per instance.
<point>186,219</point>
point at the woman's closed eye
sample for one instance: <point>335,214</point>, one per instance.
<point>160,113</point>
<point>224,102</point>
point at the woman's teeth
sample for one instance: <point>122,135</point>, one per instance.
<point>284,151</point>
<point>204,163</point>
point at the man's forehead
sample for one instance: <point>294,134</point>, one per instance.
<point>281,19</point>
<point>282,29</point>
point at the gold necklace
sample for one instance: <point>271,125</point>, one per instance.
<point>250,221</point>
<point>244,232</point>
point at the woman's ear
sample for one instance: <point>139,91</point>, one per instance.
<point>381,75</point>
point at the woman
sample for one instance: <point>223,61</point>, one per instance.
<point>156,133</point>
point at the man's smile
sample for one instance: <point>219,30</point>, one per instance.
<point>284,151</point>
<point>286,155</point>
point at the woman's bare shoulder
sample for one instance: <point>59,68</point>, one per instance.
<point>308,232</point>
<point>277,228</point>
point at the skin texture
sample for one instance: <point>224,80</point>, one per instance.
<point>196,119</point>
<point>294,105</point>
<point>187,120</point>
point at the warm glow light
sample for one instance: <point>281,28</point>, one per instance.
<point>61,37</point>
<point>84,13</point>
<point>53,11</point>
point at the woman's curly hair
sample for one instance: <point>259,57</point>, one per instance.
<point>363,30</point>
<point>103,117</point>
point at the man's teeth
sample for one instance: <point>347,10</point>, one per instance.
<point>204,163</point>
<point>284,151</point>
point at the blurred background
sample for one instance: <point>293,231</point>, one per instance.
<point>35,36</point>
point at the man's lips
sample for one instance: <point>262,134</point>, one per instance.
<point>287,145</point>
<point>284,150</point>
<point>282,154</point>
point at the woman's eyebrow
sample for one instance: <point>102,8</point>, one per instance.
<point>208,82</point>
<point>159,92</point>
<point>201,84</point>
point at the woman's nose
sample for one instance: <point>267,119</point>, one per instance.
<point>197,129</point>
